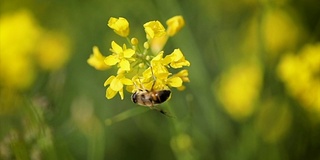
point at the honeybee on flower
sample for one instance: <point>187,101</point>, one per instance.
<point>146,72</point>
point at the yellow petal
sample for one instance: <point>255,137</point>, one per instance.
<point>125,65</point>
<point>147,73</point>
<point>110,93</point>
<point>111,60</point>
<point>167,59</point>
<point>183,73</point>
<point>149,32</point>
<point>126,81</point>
<point>96,60</point>
<point>121,94</point>
<point>109,80</point>
<point>120,26</point>
<point>177,54</point>
<point>158,57</point>
<point>116,48</point>
<point>128,53</point>
<point>175,82</point>
<point>181,88</point>
<point>174,25</point>
<point>154,29</point>
<point>180,64</point>
<point>116,84</point>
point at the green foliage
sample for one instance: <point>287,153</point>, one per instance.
<point>253,91</point>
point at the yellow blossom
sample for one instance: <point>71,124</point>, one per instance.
<point>121,56</point>
<point>116,85</point>
<point>120,26</point>
<point>143,69</point>
<point>154,29</point>
<point>177,60</point>
<point>174,25</point>
<point>299,72</point>
<point>174,82</point>
<point>280,31</point>
<point>183,74</point>
<point>17,47</point>
<point>160,71</point>
<point>239,89</point>
<point>53,51</point>
<point>96,60</point>
<point>157,44</point>
<point>155,77</point>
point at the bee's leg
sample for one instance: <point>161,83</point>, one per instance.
<point>161,111</point>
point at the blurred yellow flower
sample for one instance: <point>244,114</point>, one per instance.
<point>120,26</point>
<point>280,31</point>
<point>300,74</point>
<point>53,51</point>
<point>96,60</point>
<point>239,89</point>
<point>17,46</point>
<point>174,25</point>
<point>274,119</point>
<point>154,29</point>
<point>181,143</point>
<point>26,47</point>
<point>120,55</point>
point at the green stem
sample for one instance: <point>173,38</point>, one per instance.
<point>125,115</point>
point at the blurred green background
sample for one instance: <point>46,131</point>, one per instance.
<point>254,90</point>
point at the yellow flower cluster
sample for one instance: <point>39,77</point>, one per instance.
<point>145,68</point>
<point>25,49</point>
<point>300,73</point>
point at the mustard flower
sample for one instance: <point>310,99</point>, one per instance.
<point>121,56</point>
<point>300,75</point>
<point>174,25</point>
<point>143,69</point>
<point>116,85</point>
<point>155,78</point>
<point>177,60</point>
<point>96,60</point>
<point>160,71</point>
<point>183,75</point>
<point>53,51</point>
<point>120,26</point>
<point>154,29</point>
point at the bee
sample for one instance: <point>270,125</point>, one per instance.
<point>151,98</point>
